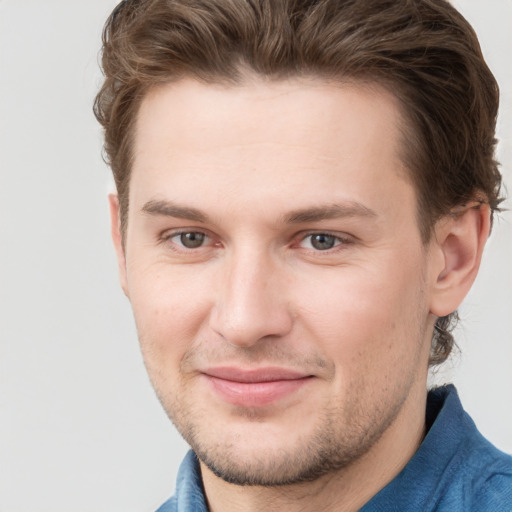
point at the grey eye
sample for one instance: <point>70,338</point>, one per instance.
<point>192,240</point>
<point>323,242</point>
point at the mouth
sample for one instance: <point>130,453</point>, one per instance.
<point>254,387</point>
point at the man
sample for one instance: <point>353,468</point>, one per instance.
<point>304,191</point>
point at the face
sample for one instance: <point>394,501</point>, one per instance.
<point>276,272</point>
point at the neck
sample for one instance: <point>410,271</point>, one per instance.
<point>347,489</point>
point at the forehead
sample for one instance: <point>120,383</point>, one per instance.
<point>257,109</point>
<point>293,140</point>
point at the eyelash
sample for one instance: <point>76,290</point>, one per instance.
<point>167,237</point>
<point>338,240</point>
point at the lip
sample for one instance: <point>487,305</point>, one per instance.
<point>254,387</point>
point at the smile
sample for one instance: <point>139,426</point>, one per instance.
<point>254,388</point>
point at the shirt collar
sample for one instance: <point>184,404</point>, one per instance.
<point>189,486</point>
<point>417,483</point>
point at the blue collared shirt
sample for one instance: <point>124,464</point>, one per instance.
<point>454,470</point>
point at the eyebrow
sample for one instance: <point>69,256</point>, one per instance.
<point>170,209</point>
<point>313,214</point>
<point>332,211</point>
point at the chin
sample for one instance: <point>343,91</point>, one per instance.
<point>263,454</point>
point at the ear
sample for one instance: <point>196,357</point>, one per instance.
<point>459,243</point>
<point>115,229</point>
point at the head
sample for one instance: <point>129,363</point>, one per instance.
<point>420,60</point>
<point>424,52</point>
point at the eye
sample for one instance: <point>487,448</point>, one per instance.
<point>189,239</point>
<point>322,241</point>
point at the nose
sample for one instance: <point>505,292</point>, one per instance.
<point>251,303</point>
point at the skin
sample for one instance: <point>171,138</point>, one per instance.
<point>260,169</point>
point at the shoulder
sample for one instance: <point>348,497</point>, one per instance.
<point>487,476</point>
<point>476,476</point>
<point>454,470</point>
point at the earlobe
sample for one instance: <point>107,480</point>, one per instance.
<point>459,241</point>
<point>117,238</point>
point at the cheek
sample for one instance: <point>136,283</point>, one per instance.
<point>170,309</point>
<point>365,320</point>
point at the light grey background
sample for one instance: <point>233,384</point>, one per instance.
<point>80,428</point>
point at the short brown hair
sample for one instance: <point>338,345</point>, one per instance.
<point>423,51</point>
